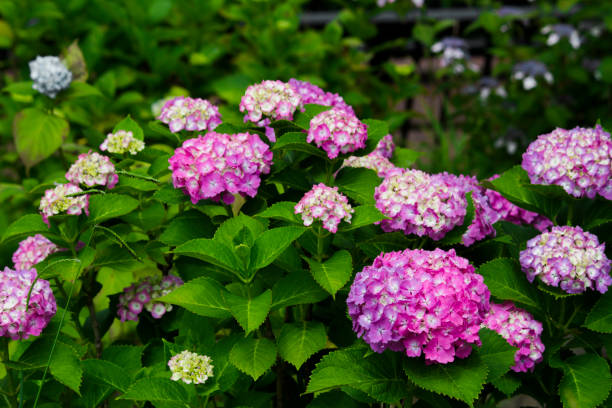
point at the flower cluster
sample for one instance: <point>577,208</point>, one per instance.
<point>521,330</point>
<point>385,147</point>
<point>579,160</point>
<point>19,320</point>
<point>454,53</point>
<point>556,32</point>
<point>33,250</point>
<point>569,258</point>
<point>55,201</point>
<point>50,75</point>
<point>418,301</point>
<point>193,114</point>
<point>142,295</point>
<point>381,165</point>
<point>269,100</point>
<point>190,367</point>
<point>325,204</point>
<point>310,93</point>
<point>417,3</point>
<point>529,71</point>
<point>122,142</point>
<point>93,169</point>
<point>337,131</point>
<point>219,165</point>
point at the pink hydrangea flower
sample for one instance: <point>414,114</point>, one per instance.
<point>325,204</point>
<point>93,169</point>
<point>521,330</point>
<point>142,296</point>
<point>310,93</point>
<point>122,142</point>
<point>385,147</point>
<point>568,258</point>
<point>579,160</point>
<point>419,302</point>
<point>381,165</point>
<point>193,114</point>
<point>337,131</point>
<point>269,100</point>
<point>33,250</point>
<point>218,165</point>
<point>55,201</point>
<point>15,321</point>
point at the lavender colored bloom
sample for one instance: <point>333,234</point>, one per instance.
<point>454,50</point>
<point>122,142</point>
<point>193,114</point>
<point>529,71</point>
<point>579,160</point>
<point>385,147</point>
<point>310,93</point>
<point>142,296</point>
<point>15,321</point>
<point>337,131</point>
<point>419,302</point>
<point>50,75</point>
<point>556,32</point>
<point>33,250</point>
<point>93,169</point>
<point>55,201</point>
<point>191,368</point>
<point>325,204</point>
<point>568,258</point>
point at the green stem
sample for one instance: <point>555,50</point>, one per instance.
<point>571,318</point>
<point>570,213</point>
<point>138,176</point>
<point>10,381</point>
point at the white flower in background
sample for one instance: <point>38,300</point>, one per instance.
<point>485,87</point>
<point>50,75</point>
<point>556,32</point>
<point>529,72</point>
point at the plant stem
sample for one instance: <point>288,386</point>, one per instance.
<point>10,381</point>
<point>94,325</point>
<point>280,375</point>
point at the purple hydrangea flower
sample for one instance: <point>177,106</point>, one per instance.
<point>419,302</point>
<point>142,296</point>
<point>33,250</point>
<point>556,32</point>
<point>568,258</point>
<point>385,147</point>
<point>122,142</point>
<point>454,53</point>
<point>55,201</point>
<point>337,131</point>
<point>193,114</point>
<point>93,169</point>
<point>325,204</point>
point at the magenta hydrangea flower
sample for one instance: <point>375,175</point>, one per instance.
<point>419,302</point>
<point>142,296</point>
<point>269,100</point>
<point>33,250</point>
<point>325,204</point>
<point>55,201</point>
<point>310,93</point>
<point>218,165</point>
<point>193,114</point>
<point>122,142</point>
<point>385,147</point>
<point>337,131</point>
<point>568,258</point>
<point>521,330</point>
<point>15,321</point>
<point>579,160</point>
<point>93,169</point>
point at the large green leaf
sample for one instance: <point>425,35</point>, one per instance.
<point>28,224</point>
<point>462,379</point>
<point>253,356</point>
<point>129,125</point>
<point>334,273</point>
<point>103,207</point>
<point>284,210</point>
<point>127,357</point>
<point>170,195</point>
<point>269,245</point>
<point>586,382</point>
<point>506,281</point>
<point>496,353</point>
<point>38,134</point>
<point>599,318</point>
<point>211,251</point>
<point>232,227</point>
<point>105,372</point>
<point>203,296</point>
<point>187,226</point>
<point>358,184</point>
<point>250,312</point>
<point>363,215</point>
<point>297,288</point>
<point>298,341</point>
<point>297,141</point>
<point>403,157</point>
<point>156,390</point>
<point>377,129</point>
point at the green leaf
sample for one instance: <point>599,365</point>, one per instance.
<point>377,129</point>
<point>297,141</point>
<point>103,207</point>
<point>67,268</point>
<point>599,318</point>
<point>20,88</point>
<point>363,215</point>
<point>269,245</point>
<point>496,353</point>
<point>129,125</point>
<point>334,273</point>
<point>302,119</point>
<point>506,281</point>
<point>250,312</point>
<point>203,296</point>
<point>82,90</point>
<point>586,382</point>
<point>229,230</point>
<point>211,251</point>
<point>127,357</point>
<point>296,289</point>
<point>170,195</point>
<point>253,356</point>
<point>28,224</point>
<point>38,135</point>
<point>298,341</point>
<point>462,379</point>
<point>105,372</point>
<point>284,210</point>
<point>187,226</point>
<point>156,390</point>
<point>403,157</point>
<point>507,383</point>
<point>358,184</point>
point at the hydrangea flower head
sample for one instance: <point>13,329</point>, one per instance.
<point>310,93</point>
<point>337,131</point>
<point>269,100</point>
<point>15,321</point>
<point>568,258</point>
<point>33,250</point>
<point>122,142</point>
<point>529,71</point>
<point>93,169</point>
<point>380,164</point>
<point>325,204</point>
<point>419,302</point>
<point>190,367</point>
<point>579,160</point>
<point>218,165</point>
<point>142,296</point>
<point>55,201</point>
<point>556,32</point>
<point>521,330</point>
<point>454,53</point>
<point>50,75</point>
<point>193,114</point>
